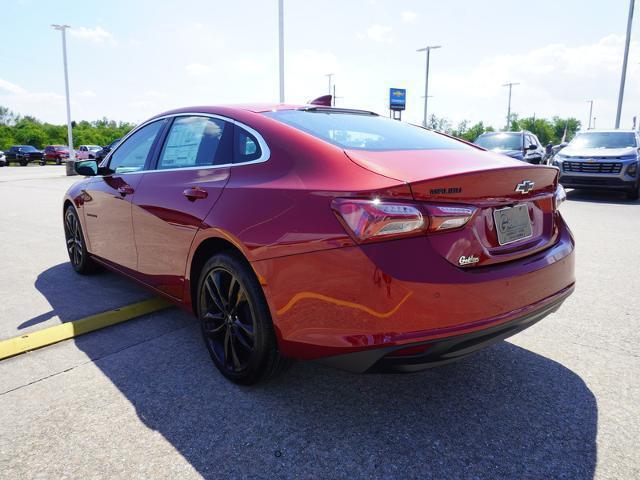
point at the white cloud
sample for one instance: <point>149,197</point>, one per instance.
<point>197,69</point>
<point>249,65</point>
<point>154,94</point>
<point>93,35</point>
<point>408,16</point>
<point>10,87</point>
<point>87,94</point>
<point>555,79</point>
<point>377,33</point>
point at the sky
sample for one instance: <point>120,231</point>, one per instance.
<point>131,59</point>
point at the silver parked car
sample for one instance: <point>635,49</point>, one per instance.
<point>601,160</point>
<point>3,159</point>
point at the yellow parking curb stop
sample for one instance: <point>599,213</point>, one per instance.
<point>67,330</point>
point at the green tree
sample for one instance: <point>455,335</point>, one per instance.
<point>28,130</point>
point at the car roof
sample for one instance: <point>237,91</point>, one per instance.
<point>608,130</point>
<point>504,133</point>
<point>255,108</point>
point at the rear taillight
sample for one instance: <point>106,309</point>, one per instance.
<point>559,197</point>
<point>445,217</point>
<point>369,220</point>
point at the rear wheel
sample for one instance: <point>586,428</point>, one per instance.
<point>236,323</point>
<point>76,247</point>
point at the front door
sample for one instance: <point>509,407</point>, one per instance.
<point>107,207</point>
<point>173,199</point>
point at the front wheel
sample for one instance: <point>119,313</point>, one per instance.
<point>634,194</point>
<point>76,246</point>
<point>236,323</point>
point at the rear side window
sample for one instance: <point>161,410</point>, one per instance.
<point>247,148</point>
<point>132,155</point>
<point>193,142</point>
<point>362,131</point>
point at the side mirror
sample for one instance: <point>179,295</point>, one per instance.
<point>87,168</point>
<point>531,147</point>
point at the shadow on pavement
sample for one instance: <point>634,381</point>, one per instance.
<point>503,413</point>
<point>599,196</point>
<point>74,296</point>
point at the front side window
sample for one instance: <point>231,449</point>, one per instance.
<point>193,142</point>
<point>364,131</point>
<point>132,154</point>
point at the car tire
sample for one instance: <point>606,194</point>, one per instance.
<point>635,193</point>
<point>79,257</point>
<point>23,163</point>
<point>58,161</point>
<point>236,323</point>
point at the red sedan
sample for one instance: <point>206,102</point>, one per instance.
<point>318,233</point>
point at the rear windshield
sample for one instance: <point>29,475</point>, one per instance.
<point>604,140</point>
<point>364,131</point>
<point>500,141</point>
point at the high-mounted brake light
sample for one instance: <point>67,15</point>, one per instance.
<point>370,220</point>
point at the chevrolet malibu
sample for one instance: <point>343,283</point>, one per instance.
<point>318,233</point>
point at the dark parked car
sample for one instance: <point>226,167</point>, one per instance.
<point>106,149</point>
<point>23,154</point>
<point>326,234</point>
<point>55,153</point>
<point>522,145</point>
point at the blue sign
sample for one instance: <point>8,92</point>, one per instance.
<point>397,98</point>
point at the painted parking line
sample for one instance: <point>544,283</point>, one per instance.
<point>67,330</point>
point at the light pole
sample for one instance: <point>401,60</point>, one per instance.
<point>72,153</point>
<point>510,85</point>
<point>426,80</point>
<point>590,102</point>
<point>624,63</point>
<point>281,46</point>
<point>329,75</point>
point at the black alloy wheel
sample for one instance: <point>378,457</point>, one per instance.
<point>235,321</point>
<point>76,248</point>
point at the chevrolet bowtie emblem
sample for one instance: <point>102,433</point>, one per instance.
<point>525,187</point>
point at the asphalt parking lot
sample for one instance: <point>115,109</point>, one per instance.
<point>142,399</point>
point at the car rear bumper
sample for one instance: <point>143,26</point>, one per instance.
<point>400,293</point>
<point>433,353</point>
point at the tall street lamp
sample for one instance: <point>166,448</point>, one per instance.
<point>624,63</point>
<point>281,46</point>
<point>329,75</point>
<point>510,85</point>
<point>426,80</point>
<point>590,102</point>
<point>72,153</point>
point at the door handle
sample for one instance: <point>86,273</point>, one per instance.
<point>125,190</point>
<point>195,193</point>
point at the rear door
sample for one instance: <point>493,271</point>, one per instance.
<point>173,199</point>
<point>107,207</point>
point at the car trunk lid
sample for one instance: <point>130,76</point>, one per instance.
<point>501,190</point>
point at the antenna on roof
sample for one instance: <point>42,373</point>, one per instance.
<point>324,100</point>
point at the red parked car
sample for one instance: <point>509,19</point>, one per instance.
<point>55,153</point>
<point>309,232</point>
